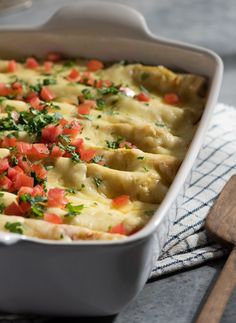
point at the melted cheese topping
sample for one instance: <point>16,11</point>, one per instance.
<point>155,136</point>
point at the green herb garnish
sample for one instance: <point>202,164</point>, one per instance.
<point>49,81</point>
<point>144,76</point>
<point>115,144</point>
<point>97,181</point>
<point>73,210</point>
<point>87,94</point>
<point>15,227</point>
<point>2,207</point>
<point>100,104</point>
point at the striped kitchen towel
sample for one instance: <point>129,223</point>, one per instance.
<point>188,243</point>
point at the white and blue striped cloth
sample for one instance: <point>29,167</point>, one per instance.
<point>188,243</point>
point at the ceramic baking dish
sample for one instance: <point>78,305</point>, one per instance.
<point>96,278</point>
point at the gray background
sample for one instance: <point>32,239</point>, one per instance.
<point>209,23</point>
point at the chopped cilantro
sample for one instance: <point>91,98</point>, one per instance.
<point>36,87</point>
<point>73,210</point>
<point>69,63</point>
<point>32,200</point>
<point>140,157</point>
<point>9,108</point>
<point>31,121</point>
<point>144,76</point>
<point>97,181</point>
<point>2,207</point>
<point>52,105</point>
<point>13,160</point>
<point>38,210</point>
<point>87,94</point>
<point>97,159</point>
<point>75,157</point>
<point>100,104</point>
<point>71,190</point>
<point>65,138</point>
<point>115,144</point>
<point>49,81</point>
<point>109,90</point>
<point>15,227</point>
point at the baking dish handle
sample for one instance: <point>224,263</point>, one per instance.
<point>99,18</point>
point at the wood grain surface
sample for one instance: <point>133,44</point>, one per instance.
<point>221,221</point>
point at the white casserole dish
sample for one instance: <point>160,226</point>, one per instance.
<point>96,278</point>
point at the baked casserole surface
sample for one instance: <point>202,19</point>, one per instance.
<point>88,150</point>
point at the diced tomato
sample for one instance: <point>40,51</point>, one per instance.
<point>56,197</point>
<point>86,106</point>
<point>78,143</point>
<point>171,98</point>
<point>94,65</point>
<point>25,190</point>
<point>33,191</point>
<point>54,57</point>
<point>32,63</point>
<point>101,83</point>
<point>11,66</point>
<point>36,103</point>
<point>30,96</point>
<point>53,218</point>
<point>48,66</point>
<point>73,128</point>
<point>5,183</point>
<point>38,191</point>
<point>4,165</point>
<point>24,163</point>
<point>39,170</point>
<point>120,201</point>
<point>23,148</point>
<point>63,122</point>
<point>13,171</point>
<point>51,132</point>
<point>46,94</point>
<point>4,89</point>
<point>119,228</point>
<point>87,78</point>
<point>25,207</point>
<point>39,151</point>
<point>74,75</point>
<point>17,87</point>
<point>13,209</point>
<point>84,109</point>
<point>23,180</point>
<point>87,155</point>
<point>143,97</point>
<point>126,144</point>
<point>8,142</point>
<point>57,152</point>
